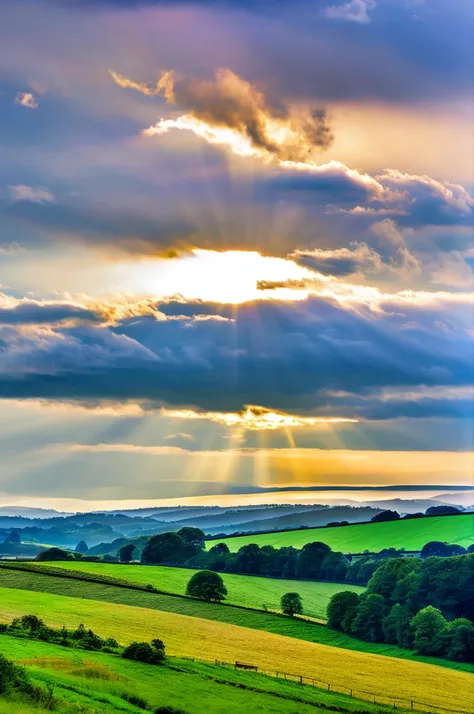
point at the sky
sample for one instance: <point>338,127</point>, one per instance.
<point>236,247</point>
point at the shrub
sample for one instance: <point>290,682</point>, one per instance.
<point>207,585</point>
<point>368,622</point>
<point>150,653</point>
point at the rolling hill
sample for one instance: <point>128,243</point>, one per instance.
<point>246,590</point>
<point>192,636</point>
<point>410,534</point>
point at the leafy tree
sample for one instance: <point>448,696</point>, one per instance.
<point>385,516</point>
<point>249,559</point>
<point>342,609</point>
<point>459,640</point>
<point>389,573</point>
<point>126,552</point>
<point>164,548</point>
<point>442,511</point>
<point>82,547</point>
<point>193,538</point>
<point>334,567</point>
<point>207,585</point>
<point>436,548</point>
<point>151,653</point>
<point>428,627</point>
<point>310,559</point>
<point>368,622</point>
<point>396,626</point>
<point>54,554</point>
<point>291,604</point>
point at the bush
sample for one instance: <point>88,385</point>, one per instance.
<point>54,554</point>
<point>385,516</point>
<point>150,653</point>
<point>291,604</point>
<point>207,585</point>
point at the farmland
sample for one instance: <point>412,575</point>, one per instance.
<point>410,534</point>
<point>192,636</point>
<point>103,681</point>
<point>248,591</point>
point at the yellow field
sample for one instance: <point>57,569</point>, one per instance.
<point>192,636</point>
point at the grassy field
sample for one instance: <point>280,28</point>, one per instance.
<point>245,590</point>
<point>101,681</point>
<point>411,535</point>
<point>276,624</point>
<point>192,636</point>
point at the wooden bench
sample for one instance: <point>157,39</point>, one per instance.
<point>243,665</point>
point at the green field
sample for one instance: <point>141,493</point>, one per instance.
<point>410,534</point>
<point>246,590</point>
<point>196,637</point>
<point>100,681</point>
<point>276,624</point>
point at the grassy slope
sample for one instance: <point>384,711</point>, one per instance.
<point>277,624</point>
<point>241,589</point>
<point>192,636</point>
<point>192,686</point>
<point>410,534</point>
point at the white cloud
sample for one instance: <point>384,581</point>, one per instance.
<point>22,192</point>
<point>26,99</point>
<point>354,11</point>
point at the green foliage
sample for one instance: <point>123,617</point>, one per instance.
<point>428,628</point>
<point>207,585</point>
<point>459,640</point>
<point>342,609</point>
<point>436,548</point>
<point>150,653</point>
<point>164,548</point>
<point>396,626</point>
<point>368,621</point>
<point>291,604</point>
<point>126,553</point>
<point>54,554</point>
<point>32,627</point>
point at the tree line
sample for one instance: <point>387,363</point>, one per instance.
<point>421,604</point>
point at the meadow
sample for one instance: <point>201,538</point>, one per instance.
<point>197,637</point>
<point>105,682</point>
<point>246,590</point>
<point>411,534</point>
<point>253,619</point>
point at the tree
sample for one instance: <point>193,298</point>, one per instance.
<point>342,609</point>
<point>82,547</point>
<point>164,548</point>
<point>126,552</point>
<point>334,567</point>
<point>151,653</point>
<point>459,640</point>
<point>291,604</point>
<point>54,554</point>
<point>438,549</point>
<point>193,539</point>
<point>385,516</point>
<point>310,559</point>
<point>442,511</point>
<point>207,585</point>
<point>368,622</point>
<point>396,626</point>
<point>428,627</point>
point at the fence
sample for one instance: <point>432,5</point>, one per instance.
<point>398,703</point>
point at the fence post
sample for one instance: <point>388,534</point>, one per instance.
<point>351,693</point>
<point>329,686</point>
<point>411,704</point>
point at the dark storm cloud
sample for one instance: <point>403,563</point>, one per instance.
<point>271,354</point>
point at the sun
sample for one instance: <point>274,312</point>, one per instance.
<point>230,276</point>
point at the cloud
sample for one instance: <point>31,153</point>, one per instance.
<point>21,192</point>
<point>283,358</point>
<point>30,312</point>
<point>26,99</point>
<point>359,258</point>
<point>124,449</point>
<point>229,110</point>
<point>353,11</point>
